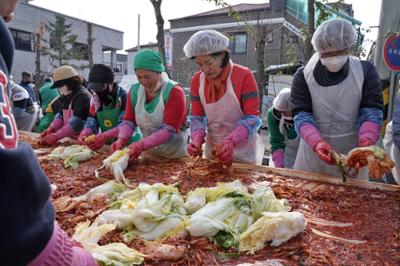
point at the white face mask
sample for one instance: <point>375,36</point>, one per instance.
<point>65,91</point>
<point>282,123</point>
<point>334,63</point>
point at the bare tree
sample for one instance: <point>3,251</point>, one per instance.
<point>258,33</point>
<point>310,29</point>
<point>160,30</point>
<point>39,50</point>
<point>90,40</point>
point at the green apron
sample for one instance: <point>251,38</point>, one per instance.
<point>108,119</point>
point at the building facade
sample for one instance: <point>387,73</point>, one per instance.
<point>283,22</point>
<point>281,29</point>
<point>27,21</point>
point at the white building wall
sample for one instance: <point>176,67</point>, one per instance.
<point>28,18</point>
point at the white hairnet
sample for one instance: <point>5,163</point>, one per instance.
<point>282,101</point>
<point>205,42</point>
<point>334,35</point>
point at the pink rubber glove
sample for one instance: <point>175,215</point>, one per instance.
<point>310,134</point>
<point>65,131</point>
<point>86,132</point>
<point>125,129</point>
<point>278,157</point>
<point>63,251</point>
<point>156,139</point>
<point>135,149</point>
<point>101,138</point>
<point>52,139</point>
<point>197,140</point>
<point>368,134</point>
<point>225,149</point>
<point>54,126</point>
<point>119,144</point>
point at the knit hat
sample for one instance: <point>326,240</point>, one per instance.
<point>148,59</point>
<point>27,217</point>
<point>99,76</point>
<point>62,75</point>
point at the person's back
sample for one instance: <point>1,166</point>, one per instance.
<point>26,82</point>
<point>23,109</point>
<point>47,94</point>
<point>31,235</point>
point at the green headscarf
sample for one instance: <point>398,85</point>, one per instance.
<point>148,59</point>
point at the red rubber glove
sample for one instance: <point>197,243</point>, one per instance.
<point>119,144</point>
<point>324,150</point>
<point>50,140</point>
<point>197,140</point>
<point>135,149</point>
<point>224,151</point>
<point>365,142</point>
<point>194,148</point>
<point>81,140</point>
<point>48,131</point>
<point>86,132</point>
<point>98,142</point>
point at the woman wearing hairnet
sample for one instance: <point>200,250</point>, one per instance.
<point>337,100</point>
<point>391,143</point>
<point>157,105</point>
<point>282,135</point>
<point>224,100</point>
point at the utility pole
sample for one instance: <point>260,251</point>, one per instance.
<point>90,44</point>
<point>389,22</point>
<point>138,32</point>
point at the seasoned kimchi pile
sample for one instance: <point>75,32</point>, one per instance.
<point>345,225</point>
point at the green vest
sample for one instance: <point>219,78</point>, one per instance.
<point>47,94</point>
<point>150,107</point>
<point>109,116</point>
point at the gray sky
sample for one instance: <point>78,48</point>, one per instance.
<point>123,14</point>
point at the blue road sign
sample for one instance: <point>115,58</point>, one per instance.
<point>391,52</point>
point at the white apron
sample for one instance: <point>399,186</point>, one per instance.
<point>223,117</point>
<point>336,111</point>
<point>149,123</point>
<point>392,151</point>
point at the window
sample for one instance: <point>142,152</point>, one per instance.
<point>238,43</point>
<point>23,40</point>
<point>294,39</point>
<point>270,37</point>
<point>81,50</point>
<point>118,67</point>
